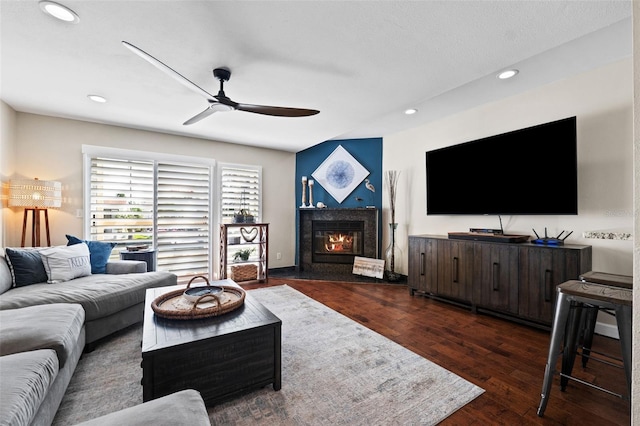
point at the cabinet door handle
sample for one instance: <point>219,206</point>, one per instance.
<point>422,259</point>
<point>455,269</point>
<point>547,285</point>
<point>496,276</point>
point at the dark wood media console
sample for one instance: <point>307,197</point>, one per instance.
<point>516,281</point>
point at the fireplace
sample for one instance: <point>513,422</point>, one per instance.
<point>329,239</point>
<point>337,241</point>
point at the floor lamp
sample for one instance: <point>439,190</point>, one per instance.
<point>36,196</point>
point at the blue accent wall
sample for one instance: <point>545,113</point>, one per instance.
<point>367,152</point>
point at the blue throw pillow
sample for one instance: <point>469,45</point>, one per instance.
<point>26,266</point>
<point>99,253</point>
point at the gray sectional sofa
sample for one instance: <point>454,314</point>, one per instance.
<point>44,328</point>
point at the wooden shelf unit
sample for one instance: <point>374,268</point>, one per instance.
<point>233,238</point>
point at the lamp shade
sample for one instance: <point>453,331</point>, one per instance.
<point>35,193</point>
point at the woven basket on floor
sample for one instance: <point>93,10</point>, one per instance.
<point>244,272</point>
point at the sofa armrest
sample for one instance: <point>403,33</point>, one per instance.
<point>118,267</point>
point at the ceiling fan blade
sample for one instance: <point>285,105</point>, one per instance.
<point>168,70</point>
<point>277,111</point>
<point>204,114</point>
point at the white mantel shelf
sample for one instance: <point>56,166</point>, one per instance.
<point>608,235</point>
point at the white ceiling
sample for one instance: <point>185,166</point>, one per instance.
<point>361,63</point>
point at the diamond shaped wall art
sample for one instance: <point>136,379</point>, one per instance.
<point>340,173</point>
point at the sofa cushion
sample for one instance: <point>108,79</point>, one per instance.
<point>64,263</point>
<point>55,326</point>
<point>100,295</point>
<point>26,379</point>
<point>181,408</point>
<point>26,266</point>
<point>99,250</point>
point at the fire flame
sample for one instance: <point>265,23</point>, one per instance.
<point>339,242</point>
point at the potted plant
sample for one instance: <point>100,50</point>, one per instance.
<point>243,254</point>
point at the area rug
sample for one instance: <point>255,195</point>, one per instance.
<point>334,372</point>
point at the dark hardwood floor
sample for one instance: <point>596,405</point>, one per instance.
<point>506,359</point>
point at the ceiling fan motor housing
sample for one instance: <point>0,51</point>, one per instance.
<point>223,74</point>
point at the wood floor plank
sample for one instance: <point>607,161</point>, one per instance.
<point>504,358</point>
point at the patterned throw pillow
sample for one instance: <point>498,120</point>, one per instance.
<point>100,252</point>
<point>64,263</point>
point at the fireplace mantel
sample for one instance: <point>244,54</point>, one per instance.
<point>306,216</point>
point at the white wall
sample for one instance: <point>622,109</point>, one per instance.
<point>50,148</point>
<point>601,100</point>
<point>7,143</point>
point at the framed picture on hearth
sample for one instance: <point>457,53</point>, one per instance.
<point>340,173</point>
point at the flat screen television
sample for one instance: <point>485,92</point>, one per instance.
<point>531,171</point>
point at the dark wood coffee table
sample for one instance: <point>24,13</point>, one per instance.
<point>221,356</point>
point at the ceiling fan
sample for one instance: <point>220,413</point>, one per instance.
<point>219,102</point>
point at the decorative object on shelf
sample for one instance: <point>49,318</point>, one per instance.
<point>340,173</point>
<point>321,205</point>
<point>244,214</point>
<point>243,254</point>
<point>249,235</point>
<point>37,196</point>
<point>304,192</point>
<point>311,182</point>
<point>393,254</point>
<point>371,188</point>
<point>239,273</point>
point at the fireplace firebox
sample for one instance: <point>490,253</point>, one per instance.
<point>337,241</point>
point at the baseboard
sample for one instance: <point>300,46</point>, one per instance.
<point>608,330</point>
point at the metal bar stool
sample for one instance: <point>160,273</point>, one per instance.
<point>578,293</point>
<point>591,316</point>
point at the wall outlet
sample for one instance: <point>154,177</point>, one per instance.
<point>278,256</point>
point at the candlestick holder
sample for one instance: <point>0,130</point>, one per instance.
<point>311,182</point>
<point>304,192</point>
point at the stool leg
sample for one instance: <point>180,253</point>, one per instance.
<point>571,343</point>
<point>590,326</point>
<point>559,322</point>
<point>623,318</point>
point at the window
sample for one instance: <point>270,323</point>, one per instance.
<point>183,219</point>
<point>240,191</point>
<point>136,198</point>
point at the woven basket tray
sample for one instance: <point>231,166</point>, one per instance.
<point>173,305</point>
<point>243,272</point>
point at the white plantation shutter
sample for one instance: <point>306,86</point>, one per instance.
<point>164,201</point>
<point>183,219</point>
<point>122,207</point>
<point>240,189</point>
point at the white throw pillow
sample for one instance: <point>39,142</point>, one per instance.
<point>64,263</point>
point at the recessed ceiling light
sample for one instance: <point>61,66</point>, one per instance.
<point>410,111</point>
<point>97,98</point>
<point>59,11</point>
<point>507,74</point>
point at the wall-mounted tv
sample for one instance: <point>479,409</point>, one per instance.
<point>531,171</point>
